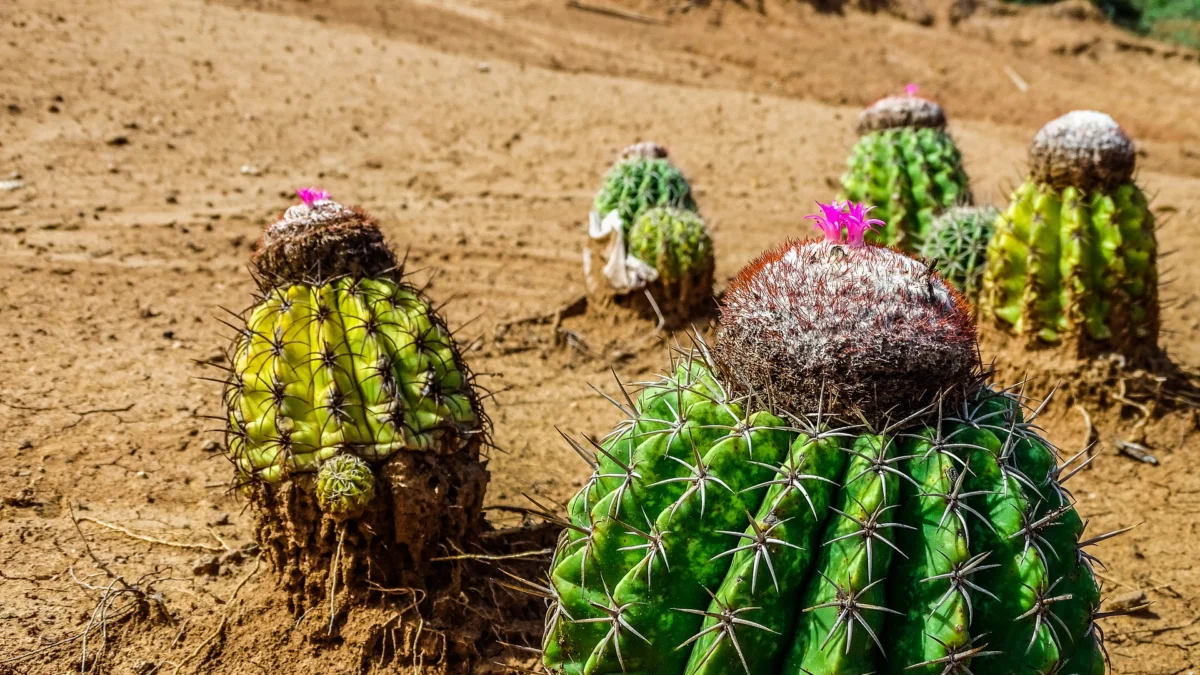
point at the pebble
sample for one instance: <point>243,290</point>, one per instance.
<point>210,446</point>
<point>118,140</point>
<point>10,185</point>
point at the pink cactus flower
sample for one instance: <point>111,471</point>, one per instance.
<point>829,221</point>
<point>911,89</point>
<point>858,224</point>
<point>311,195</point>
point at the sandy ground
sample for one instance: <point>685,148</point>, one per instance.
<point>154,138</point>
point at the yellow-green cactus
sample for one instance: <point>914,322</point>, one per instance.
<point>677,245</point>
<point>1074,256</point>
<point>352,365</point>
<point>347,400</point>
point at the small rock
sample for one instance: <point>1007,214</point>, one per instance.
<point>483,67</point>
<point>1136,451</point>
<point>209,566</point>
<point>250,170</point>
<point>210,446</point>
<point>22,500</point>
<point>219,521</point>
<point>141,474</point>
<point>1125,602</point>
<point>117,140</point>
<point>24,444</point>
<point>10,185</point>
<point>15,175</point>
<point>169,334</point>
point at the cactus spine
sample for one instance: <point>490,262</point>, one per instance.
<point>347,389</point>
<point>802,524</point>
<point>907,165</point>
<point>1074,256</point>
<point>957,246</point>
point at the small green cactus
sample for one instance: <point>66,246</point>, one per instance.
<point>648,250</point>
<point>830,489</point>
<point>342,375</point>
<point>345,486</point>
<point>676,243</point>
<point>643,178</point>
<point>908,166</point>
<point>1074,256</point>
<point>957,245</point>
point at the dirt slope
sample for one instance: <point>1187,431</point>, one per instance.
<point>154,138</point>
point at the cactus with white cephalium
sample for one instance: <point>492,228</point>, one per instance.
<point>1074,256</point>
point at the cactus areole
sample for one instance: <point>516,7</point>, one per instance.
<point>799,499</point>
<point>352,421</point>
<point>907,165</point>
<point>1074,256</point>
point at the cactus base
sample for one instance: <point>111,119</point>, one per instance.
<point>421,504</point>
<point>681,302</point>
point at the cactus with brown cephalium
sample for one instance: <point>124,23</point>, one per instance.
<point>832,488</point>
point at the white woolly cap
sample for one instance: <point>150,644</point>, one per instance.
<point>901,111</point>
<point>301,217</point>
<point>646,149</point>
<point>1085,149</point>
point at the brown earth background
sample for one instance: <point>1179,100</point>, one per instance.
<point>154,138</point>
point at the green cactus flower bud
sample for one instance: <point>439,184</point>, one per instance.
<point>1074,256</point>
<point>345,485</point>
<point>906,165</point>
<point>957,246</point>
<point>751,525</point>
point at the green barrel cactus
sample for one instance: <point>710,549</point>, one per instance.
<point>347,400</point>
<point>642,178</point>
<point>830,488</point>
<point>908,166</point>
<point>957,246</point>
<point>677,245</point>
<point>648,249</point>
<point>1074,256</point>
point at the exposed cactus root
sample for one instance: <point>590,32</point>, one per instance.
<point>382,548</point>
